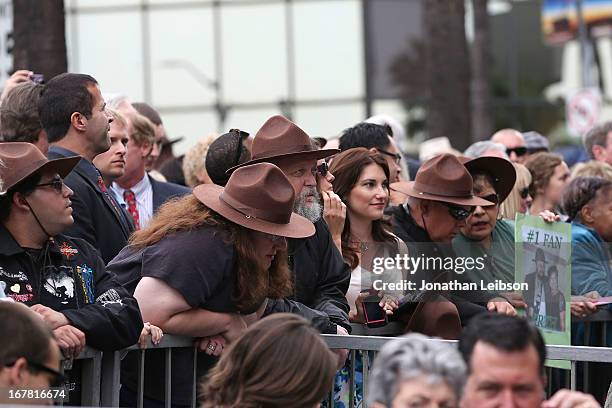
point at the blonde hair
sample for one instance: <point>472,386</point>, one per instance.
<point>195,160</point>
<point>118,117</point>
<point>592,168</point>
<point>512,203</point>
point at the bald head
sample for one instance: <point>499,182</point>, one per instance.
<point>513,141</point>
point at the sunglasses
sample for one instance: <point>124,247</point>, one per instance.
<point>242,136</point>
<point>396,156</point>
<point>524,193</point>
<point>457,212</point>
<point>322,169</point>
<point>57,184</point>
<point>519,151</point>
<point>57,378</point>
<point>493,198</point>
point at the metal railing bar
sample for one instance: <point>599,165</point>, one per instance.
<point>168,378</point>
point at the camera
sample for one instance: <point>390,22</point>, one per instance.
<point>37,78</point>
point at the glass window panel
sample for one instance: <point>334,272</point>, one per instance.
<point>112,56</point>
<point>328,121</point>
<point>182,60</point>
<point>254,53</point>
<point>249,120</point>
<point>81,4</point>
<point>390,107</point>
<point>328,49</point>
<point>190,125</point>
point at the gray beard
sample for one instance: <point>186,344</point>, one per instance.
<point>312,211</point>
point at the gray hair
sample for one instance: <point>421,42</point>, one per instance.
<point>478,149</point>
<point>597,136</point>
<point>411,356</point>
<point>114,101</point>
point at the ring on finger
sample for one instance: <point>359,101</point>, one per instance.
<point>212,347</point>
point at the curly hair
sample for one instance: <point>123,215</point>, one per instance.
<point>346,168</point>
<point>593,169</point>
<point>280,361</point>
<point>580,192</point>
<point>412,356</point>
<point>194,160</point>
<point>253,284</point>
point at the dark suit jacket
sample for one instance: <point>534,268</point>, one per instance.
<point>163,192</point>
<point>95,220</point>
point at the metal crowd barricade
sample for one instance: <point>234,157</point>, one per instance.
<point>101,374</point>
<point>91,368</point>
<point>111,370</point>
<point>595,332</point>
<point>573,354</point>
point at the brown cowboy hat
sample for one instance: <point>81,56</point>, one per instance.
<point>442,178</point>
<point>280,138</point>
<point>501,170</point>
<point>259,197</point>
<point>19,160</point>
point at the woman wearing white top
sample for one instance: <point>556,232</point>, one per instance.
<point>362,182</point>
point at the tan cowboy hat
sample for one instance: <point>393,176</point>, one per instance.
<point>259,197</point>
<point>444,179</point>
<point>19,160</point>
<point>501,170</point>
<point>280,138</point>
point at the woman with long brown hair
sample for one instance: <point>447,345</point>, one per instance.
<point>205,266</point>
<point>362,182</point>
<point>281,361</point>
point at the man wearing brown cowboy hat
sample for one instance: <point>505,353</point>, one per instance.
<point>321,277</point>
<point>63,279</point>
<point>242,229</point>
<point>439,201</point>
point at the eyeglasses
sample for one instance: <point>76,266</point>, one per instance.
<point>524,193</point>
<point>322,169</point>
<point>493,198</point>
<point>457,212</point>
<point>57,378</point>
<point>57,184</point>
<point>396,156</point>
<point>519,151</point>
<point>242,136</point>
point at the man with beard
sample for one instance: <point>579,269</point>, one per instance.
<point>321,278</point>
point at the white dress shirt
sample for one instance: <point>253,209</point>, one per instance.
<point>143,191</point>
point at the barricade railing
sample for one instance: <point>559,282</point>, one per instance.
<point>101,372</point>
<point>91,369</point>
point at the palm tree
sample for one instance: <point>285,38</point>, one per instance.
<point>39,38</point>
<point>448,66</point>
<point>481,64</point>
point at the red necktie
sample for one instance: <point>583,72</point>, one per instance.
<point>130,200</point>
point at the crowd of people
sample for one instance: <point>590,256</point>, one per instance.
<point>253,245</point>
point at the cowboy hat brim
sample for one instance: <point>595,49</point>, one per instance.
<point>298,226</point>
<point>62,166</point>
<point>306,155</point>
<point>408,189</point>
<point>501,170</point>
